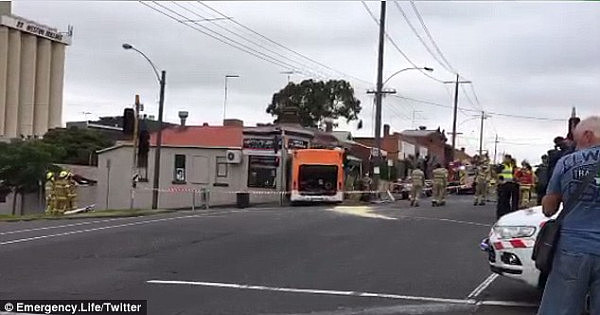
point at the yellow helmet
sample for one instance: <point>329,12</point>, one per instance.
<point>49,175</point>
<point>63,174</point>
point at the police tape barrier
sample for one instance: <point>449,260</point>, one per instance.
<point>252,192</point>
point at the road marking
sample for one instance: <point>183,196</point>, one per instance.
<point>484,285</point>
<point>361,211</point>
<point>313,291</point>
<point>445,220</point>
<point>507,303</point>
<point>62,226</point>
<point>28,239</point>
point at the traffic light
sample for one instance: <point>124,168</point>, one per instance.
<point>128,121</point>
<point>143,148</point>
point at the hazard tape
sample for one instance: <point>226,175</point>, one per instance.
<point>516,243</point>
<point>252,192</point>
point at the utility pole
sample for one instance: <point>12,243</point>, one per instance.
<point>136,115</point>
<point>161,105</point>
<point>483,117</point>
<point>457,82</point>
<point>414,117</point>
<point>379,94</point>
<point>495,147</point>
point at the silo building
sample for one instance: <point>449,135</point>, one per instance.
<point>32,62</point>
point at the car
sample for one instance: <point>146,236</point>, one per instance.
<point>509,246</point>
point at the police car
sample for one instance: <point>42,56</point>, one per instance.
<point>510,244</point>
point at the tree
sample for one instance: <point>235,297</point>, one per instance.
<point>316,101</point>
<point>79,145</point>
<point>23,166</point>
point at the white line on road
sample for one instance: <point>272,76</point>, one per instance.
<point>484,285</point>
<point>62,226</point>
<point>313,291</point>
<point>28,239</point>
<point>445,220</point>
<point>507,303</point>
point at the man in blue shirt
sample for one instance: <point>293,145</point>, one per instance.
<point>576,268</point>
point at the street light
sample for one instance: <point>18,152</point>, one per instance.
<point>225,101</point>
<point>406,69</point>
<point>162,81</point>
<point>289,74</point>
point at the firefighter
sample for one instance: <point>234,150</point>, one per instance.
<point>440,183</point>
<point>71,191</point>
<point>525,179</point>
<point>61,193</point>
<point>481,183</point>
<point>49,192</point>
<point>418,181</point>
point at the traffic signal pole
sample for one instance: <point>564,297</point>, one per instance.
<point>136,123</point>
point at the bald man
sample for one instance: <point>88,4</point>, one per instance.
<point>576,267</point>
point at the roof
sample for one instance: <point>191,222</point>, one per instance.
<point>204,136</point>
<point>418,133</point>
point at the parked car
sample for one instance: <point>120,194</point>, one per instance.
<point>509,246</point>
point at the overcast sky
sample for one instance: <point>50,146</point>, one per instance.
<point>525,58</point>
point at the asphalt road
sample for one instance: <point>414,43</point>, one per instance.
<point>379,259</point>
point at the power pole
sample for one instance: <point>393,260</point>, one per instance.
<point>378,93</point>
<point>161,105</point>
<point>483,117</point>
<point>136,115</point>
<point>457,82</point>
<point>495,147</point>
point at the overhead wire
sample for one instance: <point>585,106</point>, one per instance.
<point>247,39</point>
<point>414,30</point>
<point>391,40</point>
<point>283,46</point>
<point>420,18</point>
<point>202,30</point>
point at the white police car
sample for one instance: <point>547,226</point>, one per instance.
<point>510,245</point>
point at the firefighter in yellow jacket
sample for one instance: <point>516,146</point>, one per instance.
<point>71,192</point>
<point>440,183</point>
<point>418,181</point>
<point>481,184</point>
<point>61,193</point>
<point>49,193</point>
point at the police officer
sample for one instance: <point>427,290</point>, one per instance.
<point>418,181</point>
<point>49,192</point>
<point>440,183</point>
<point>481,183</point>
<point>508,189</point>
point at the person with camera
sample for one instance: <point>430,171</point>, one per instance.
<point>575,265</point>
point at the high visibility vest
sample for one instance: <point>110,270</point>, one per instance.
<point>507,172</point>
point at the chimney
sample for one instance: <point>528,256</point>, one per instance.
<point>205,124</point>
<point>233,123</point>
<point>386,130</point>
<point>328,125</point>
<point>183,115</point>
<point>422,128</point>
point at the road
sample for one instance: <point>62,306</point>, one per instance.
<point>380,259</point>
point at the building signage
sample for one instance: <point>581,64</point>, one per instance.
<point>297,144</point>
<point>35,29</point>
<point>258,144</point>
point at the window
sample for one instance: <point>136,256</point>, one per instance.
<point>262,171</point>
<point>179,172</point>
<point>221,166</point>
